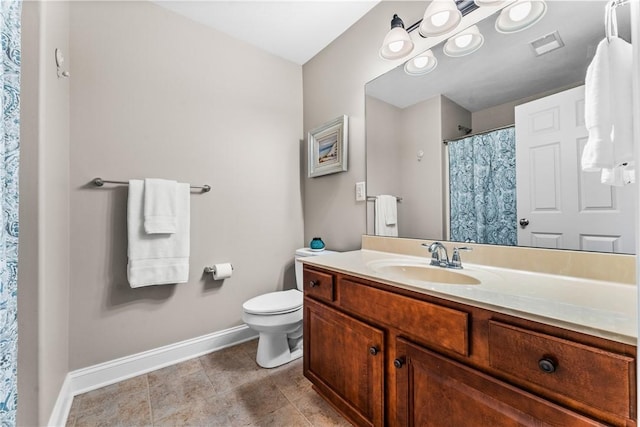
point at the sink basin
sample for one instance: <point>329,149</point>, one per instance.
<point>421,272</point>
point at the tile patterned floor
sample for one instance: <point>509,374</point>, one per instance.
<point>225,388</point>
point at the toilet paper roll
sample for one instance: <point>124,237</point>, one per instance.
<point>222,271</point>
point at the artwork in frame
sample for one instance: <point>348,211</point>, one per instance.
<point>328,147</point>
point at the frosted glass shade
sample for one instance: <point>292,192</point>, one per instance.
<point>464,43</point>
<point>440,17</point>
<point>397,43</point>
<point>520,15</point>
<point>424,63</point>
<point>489,2</point>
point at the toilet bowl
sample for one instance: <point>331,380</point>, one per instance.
<point>277,317</point>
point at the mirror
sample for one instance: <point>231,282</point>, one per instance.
<point>409,117</point>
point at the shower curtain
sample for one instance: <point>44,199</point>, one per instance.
<point>10,11</point>
<point>482,188</point>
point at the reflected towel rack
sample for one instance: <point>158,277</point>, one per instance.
<point>373,198</point>
<point>99,182</point>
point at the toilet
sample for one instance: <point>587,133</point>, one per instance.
<point>277,316</point>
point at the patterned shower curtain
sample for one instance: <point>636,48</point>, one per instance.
<point>482,188</point>
<point>10,11</point>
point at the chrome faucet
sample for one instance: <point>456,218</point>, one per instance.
<point>437,250</point>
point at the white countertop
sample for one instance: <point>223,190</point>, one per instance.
<point>599,308</point>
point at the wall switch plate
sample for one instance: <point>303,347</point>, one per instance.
<point>361,192</point>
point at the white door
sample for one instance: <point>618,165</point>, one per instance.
<point>559,205</point>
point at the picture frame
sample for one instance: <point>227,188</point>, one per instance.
<point>328,147</point>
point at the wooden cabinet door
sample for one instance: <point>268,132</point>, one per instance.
<point>436,391</point>
<point>344,359</point>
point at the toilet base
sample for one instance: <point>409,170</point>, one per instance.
<point>277,349</point>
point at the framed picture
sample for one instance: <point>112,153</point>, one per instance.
<point>328,147</point>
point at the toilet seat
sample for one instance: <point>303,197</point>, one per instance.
<point>274,303</point>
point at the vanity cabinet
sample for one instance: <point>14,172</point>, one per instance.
<point>439,392</point>
<point>384,355</point>
<point>344,358</point>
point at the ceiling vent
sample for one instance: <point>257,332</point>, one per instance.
<point>546,44</point>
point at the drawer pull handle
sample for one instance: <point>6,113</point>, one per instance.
<point>547,365</point>
<point>314,283</point>
<point>373,350</point>
<point>398,363</point>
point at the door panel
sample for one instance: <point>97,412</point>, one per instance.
<point>566,207</point>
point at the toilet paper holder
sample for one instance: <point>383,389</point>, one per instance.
<point>211,270</point>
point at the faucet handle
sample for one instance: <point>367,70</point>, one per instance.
<point>435,256</point>
<point>456,262</point>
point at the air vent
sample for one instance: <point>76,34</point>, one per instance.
<point>546,44</point>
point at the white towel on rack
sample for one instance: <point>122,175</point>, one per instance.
<point>608,113</point>
<point>159,206</point>
<point>157,259</point>
<point>386,216</point>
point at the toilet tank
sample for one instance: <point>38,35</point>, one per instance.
<point>302,253</point>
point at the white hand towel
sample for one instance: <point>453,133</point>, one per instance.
<point>608,113</point>
<point>159,206</point>
<point>386,216</point>
<point>157,259</point>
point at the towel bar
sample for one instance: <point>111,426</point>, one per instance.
<point>373,198</point>
<point>99,182</point>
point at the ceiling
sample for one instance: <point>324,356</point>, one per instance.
<point>295,30</point>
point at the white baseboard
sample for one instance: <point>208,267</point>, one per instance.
<point>103,374</point>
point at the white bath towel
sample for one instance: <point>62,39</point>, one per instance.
<point>157,259</point>
<point>386,214</point>
<point>608,113</point>
<point>159,206</point>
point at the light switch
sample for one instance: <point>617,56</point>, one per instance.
<point>361,192</point>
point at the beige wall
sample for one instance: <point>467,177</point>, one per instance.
<point>420,212</point>
<point>334,85</point>
<point>394,138</point>
<point>383,138</point>
<point>43,282</point>
<point>154,94</point>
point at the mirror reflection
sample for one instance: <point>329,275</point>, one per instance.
<point>487,147</point>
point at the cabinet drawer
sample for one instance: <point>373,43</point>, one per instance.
<point>318,284</point>
<point>436,326</point>
<point>590,375</point>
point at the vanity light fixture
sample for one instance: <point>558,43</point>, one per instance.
<point>520,15</point>
<point>464,43</point>
<point>424,63</point>
<point>440,17</point>
<point>397,42</point>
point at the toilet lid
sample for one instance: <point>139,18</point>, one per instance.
<point>274,302</point>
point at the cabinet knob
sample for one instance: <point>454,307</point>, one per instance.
<point>373,350</point>
<point>547,365</point>
<point>398,363</point>
<point>314,283</point>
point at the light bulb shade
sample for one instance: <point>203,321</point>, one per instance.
<point>464,43</point>
<point>481,3</point>
<point>520,15</point>
<point>424,63</point>
<point>440,17</point>
<point>397,43</point>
